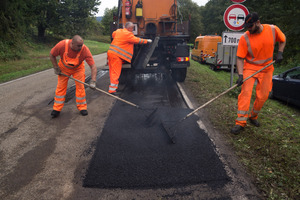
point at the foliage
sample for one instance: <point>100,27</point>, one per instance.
<point>286,15</point>
<point>108,19</point>
<point>283,13</point>
<point>36,58</point>
<point>12,28</point>
<point>188,10</point>
<point>95,27</point>
<point>20,19</point>
<point>44,14</point>
<point>212,14</point>
<point>74,16</point>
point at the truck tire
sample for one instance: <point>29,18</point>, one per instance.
<point>213,67</point>
<point>179,74</point>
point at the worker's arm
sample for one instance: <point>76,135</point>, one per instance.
<point>55,65</point>
<point>240,69</point>
<point>240,65</point>
<point>53,60</point>
<point>281,46</point>
<point>281,39</point>
<point>136,40</point>
<point>93,72</point>
<point>93,76</point>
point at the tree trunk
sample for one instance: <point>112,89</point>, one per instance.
<point>41,31</point>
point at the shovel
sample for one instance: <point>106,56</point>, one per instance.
<point>150,117</point>
<point>170,129</point>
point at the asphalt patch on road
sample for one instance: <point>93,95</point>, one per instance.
<point>130,154</point>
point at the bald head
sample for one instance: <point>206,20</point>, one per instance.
<point>77,38</point>
<point>77,43</point>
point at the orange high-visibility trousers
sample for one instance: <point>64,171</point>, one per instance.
<point>263,88</point>
<point>62,84</point>
<point>115,68</point>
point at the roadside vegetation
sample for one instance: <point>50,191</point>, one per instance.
<point>35,58</point>
<point>29,30</point>
<point>271,152</point>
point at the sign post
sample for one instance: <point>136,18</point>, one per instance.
<point>234,18</point>
<point>231,39</point>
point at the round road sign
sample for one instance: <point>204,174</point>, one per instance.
<point>234,17</point>
<point>238,1</point>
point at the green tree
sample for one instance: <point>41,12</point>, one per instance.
<point>286,15</point>
<point>14,25</point>
<point>190,10</point>
<point>73,16</point>
<point>45,14</point>
<point>108,19</point>
<point>212,14</point>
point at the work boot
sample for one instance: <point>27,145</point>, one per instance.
<point>84,112</point>
<point>55,113</point>
<point>254,122</point>
<point>237,129</point>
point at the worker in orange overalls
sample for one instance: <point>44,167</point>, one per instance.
<point>255,50</point>
<point>72,54</point>
<point>120,51</point>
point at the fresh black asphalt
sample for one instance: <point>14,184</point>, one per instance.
<point>131,154</point>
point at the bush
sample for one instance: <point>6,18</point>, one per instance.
<point>10,51</point>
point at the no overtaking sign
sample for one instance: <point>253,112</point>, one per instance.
<point>234,17</point>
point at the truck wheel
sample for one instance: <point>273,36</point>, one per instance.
<point>179,74</point>
<point>213,67</point>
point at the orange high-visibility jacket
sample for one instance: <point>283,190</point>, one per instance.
<point>123,42</point>
<point>258,49</point>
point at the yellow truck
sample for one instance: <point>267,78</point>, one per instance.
<point>204,47</point>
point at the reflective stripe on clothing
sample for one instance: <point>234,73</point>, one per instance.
<point>80,98</point>
<point>59,102</point>
<point>123,43</point>
<point>81,103</point>
<point>253,60</point>
<point>115,68</point>
<point>59,97</point>
<point>263,88</point>
<point>242,118</point>
<point>121,54</point>
<point>122,50</point>
<point>257,49</point>
<point>254,114</point>
<point>242,112</point>
<point>62,85</point>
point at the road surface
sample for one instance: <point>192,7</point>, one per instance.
<point>45,158</point>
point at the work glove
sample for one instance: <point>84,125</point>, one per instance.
<point>57,70</point>
<point>239,82</point>
<point>279,57</point>
<point>149,41</point>
<point>93,84</point>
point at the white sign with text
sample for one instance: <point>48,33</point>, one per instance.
<point>231,38</point>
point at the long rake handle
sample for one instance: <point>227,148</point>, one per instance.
<point>229,89</point>
<point>132,104</point>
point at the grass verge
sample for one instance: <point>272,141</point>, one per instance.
<point>270,152</point>
<point>36,59</point>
